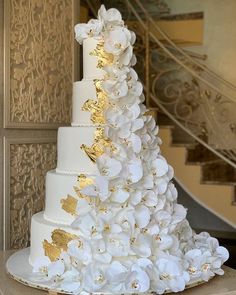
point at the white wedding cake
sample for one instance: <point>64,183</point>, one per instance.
<point>111,221</point>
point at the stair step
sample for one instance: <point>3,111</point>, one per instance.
<point>179,136</point>
<point>218,171</point>
<point>201,154</point>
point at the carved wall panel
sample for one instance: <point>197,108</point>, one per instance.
<point>26,167</point>
<point>39,50</point>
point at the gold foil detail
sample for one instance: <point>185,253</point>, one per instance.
<point>98,147</point>
<point>60,239</point>
<point>97,107</point>
<point>96,111</point>
<point>50,250</point>
<point>104,58</point>
<point>84,181</point>
<point>69,204</point>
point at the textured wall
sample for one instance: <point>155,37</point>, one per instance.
<point>38,74</point>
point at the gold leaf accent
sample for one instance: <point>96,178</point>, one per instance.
<point>97,107</point>
<point>84,181</point>
<point>92,152</point>
<point>104,58</point>
<point>96,111</point>
<point>61,238</point>
<point>99,145</point>
<point>50,250</point>
<point>69,204</point>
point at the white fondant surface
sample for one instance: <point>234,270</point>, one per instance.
<point>90,69</point>
<point>41,229</point>
<point>82,91</point>
<point>70,157</point>
<point>58,186</point>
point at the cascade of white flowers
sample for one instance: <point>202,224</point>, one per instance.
<point>137,237</point>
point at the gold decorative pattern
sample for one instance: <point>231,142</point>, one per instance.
<point>69,204</point>
<point>50,250</point>
<point>98,147</point>
<point>97,107</point>
<point>84,181</point>
<point>104,58</point>
<point>60,239</point>
<point>28,163</point>
<point>40,61</point>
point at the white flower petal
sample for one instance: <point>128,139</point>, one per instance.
<point>142,216</point>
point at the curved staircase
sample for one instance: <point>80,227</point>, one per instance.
<point>190,172</point>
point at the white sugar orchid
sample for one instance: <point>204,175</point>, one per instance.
<point>161,184</point>
<point>127,57</point>
<point>203,264</point>
<point>171,192</point>
<point>88,225</point>
<point>117,40</point>
<point>179,214</point>
<point>163,241</point>
<point>99,189</point>
<point>137,280</point>
<point>135,87</point>
<point>116,274</point>
<point>135,197</point>
<point>80,249</point>
<point>115,89</point>
<point>91,29</point>
<point>94,277</point>
<point>83,206</point>
<point>41,264</point>
<point>142,215</point>
<point>115,73</point>
<point>163,219</point>
<point>111,17</point>
<point>172,275</point>
<point>56,269</point>
<point>159,166</point>
<point>118,245</point>
<point>141,245</point>
<point>120,195</point>
<point>125,217</point>
<point>46,270</point>
<point>150,198</point>
<point>134,170</point>
<point>70,280</point>
<point>108,166</point>
<point>99,252</point>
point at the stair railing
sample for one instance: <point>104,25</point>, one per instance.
<point>180,50</point>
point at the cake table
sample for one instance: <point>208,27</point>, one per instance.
<point>220,285</point>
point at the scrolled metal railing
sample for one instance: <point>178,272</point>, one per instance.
<point>191,95</point>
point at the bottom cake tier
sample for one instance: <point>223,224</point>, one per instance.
<point>41,229</point>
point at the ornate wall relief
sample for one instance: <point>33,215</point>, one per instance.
<point>26,165</point>
<point>39,62</point>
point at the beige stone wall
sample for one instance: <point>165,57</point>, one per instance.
<point>40,64</point>
<point>219,32</point>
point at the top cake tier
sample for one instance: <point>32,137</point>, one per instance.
<point>90,62</point>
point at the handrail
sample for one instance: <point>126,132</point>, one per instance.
<point>191,134</point>
<point>180,50</point>
<point>193,73</point>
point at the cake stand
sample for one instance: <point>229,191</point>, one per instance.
<point>19,269</point>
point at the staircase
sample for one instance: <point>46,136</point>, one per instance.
<point>208,180</point>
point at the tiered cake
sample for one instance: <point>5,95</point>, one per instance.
<point>111,221</point>
<point>72,160</point>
